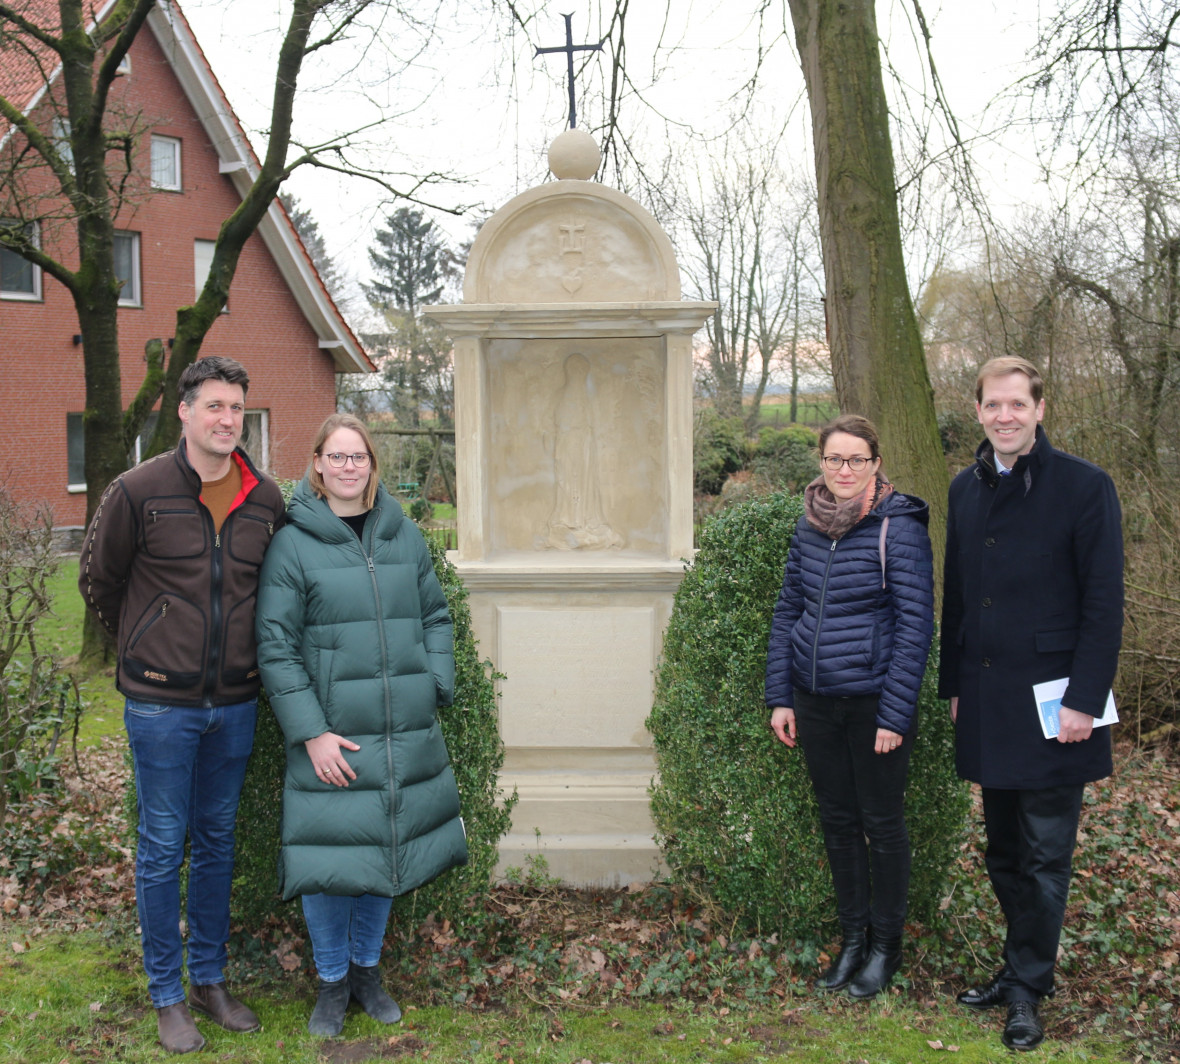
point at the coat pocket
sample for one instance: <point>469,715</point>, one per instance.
<point>1056,641</point>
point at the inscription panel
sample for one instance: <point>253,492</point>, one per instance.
<point>576,677</point>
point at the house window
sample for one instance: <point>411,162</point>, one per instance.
<point>75,453</point>
<point>60,135</point>
<point>166,163</point>
<point>202,264</point>
<point>127,269</point>
<point>76,448</point>
<point>124,66</point>
<point>256,437</point>
<point>19,278</point>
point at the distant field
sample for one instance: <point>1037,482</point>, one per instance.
<point>811,410</point>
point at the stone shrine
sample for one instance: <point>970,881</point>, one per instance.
<point>573,417</point>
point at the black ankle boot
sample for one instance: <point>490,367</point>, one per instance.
<point>879,967</point>
<point>365,984</point>
<point>853,951</point>
<point>327,1018</point>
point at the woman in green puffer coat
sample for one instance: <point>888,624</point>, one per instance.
<point>355,648</point>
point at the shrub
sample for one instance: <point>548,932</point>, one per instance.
<point>786,458</point>
<point>470,727</point>
<point>718,449</point>
<point>38,703</point>
<point>734,809</point>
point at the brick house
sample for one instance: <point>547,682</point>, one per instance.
<point>191,166</point>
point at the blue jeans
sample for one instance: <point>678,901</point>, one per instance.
<point>189,766</point>
<point>345,928</point>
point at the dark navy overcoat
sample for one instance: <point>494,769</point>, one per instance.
<point>1034,592</point>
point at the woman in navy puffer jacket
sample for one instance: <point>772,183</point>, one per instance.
<point>848,646</point>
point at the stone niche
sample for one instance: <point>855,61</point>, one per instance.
<point>573,409</point>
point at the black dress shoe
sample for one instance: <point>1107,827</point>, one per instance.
<point>988,996</point>
<point>1023,1029</point>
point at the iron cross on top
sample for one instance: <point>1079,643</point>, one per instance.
<point>569,48</point>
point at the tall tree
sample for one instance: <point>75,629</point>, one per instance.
<point>748,242</point>
<point>878,360</point>
<point>412,265</point>
<point>313,241</point>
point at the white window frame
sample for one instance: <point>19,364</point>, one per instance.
<point>33,296</point>
<point>75,429</point>
<point>171,144</point>
<point>202,264</point>
<point>131,294</point>
<point>259,455</point>
<point>59,132</point>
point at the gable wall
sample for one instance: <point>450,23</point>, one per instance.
<point>43,374</point>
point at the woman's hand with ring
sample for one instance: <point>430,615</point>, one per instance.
<point>887,741</point>
<point>327,759</point>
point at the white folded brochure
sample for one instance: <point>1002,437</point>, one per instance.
<point>1048,697</point>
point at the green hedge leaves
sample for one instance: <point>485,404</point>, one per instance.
<point>734,809</point>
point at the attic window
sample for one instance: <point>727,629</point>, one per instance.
<point>166,163</point>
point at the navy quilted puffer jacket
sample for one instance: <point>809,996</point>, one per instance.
<point>838,632</point>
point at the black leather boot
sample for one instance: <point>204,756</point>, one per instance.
<point>853,951</point>
<point>327,1018</point>
<point>365,984</point>
<point>879,967</point>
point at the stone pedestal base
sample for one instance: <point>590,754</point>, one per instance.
<point>586,812</point>
<point>577,638</point>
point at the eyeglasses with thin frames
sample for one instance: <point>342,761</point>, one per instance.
<point>834,462</point>
<point>337,459</point>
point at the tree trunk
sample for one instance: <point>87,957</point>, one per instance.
<point>878,361</point>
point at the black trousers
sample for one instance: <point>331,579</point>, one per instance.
<point>861,796</point>
<point>1031,835</point>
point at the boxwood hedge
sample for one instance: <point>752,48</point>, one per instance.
<point>734,810</point>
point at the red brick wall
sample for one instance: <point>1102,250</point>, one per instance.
<point>42,378</point>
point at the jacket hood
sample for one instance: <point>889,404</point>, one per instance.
<point>897,503</point>
<point>314,516</point>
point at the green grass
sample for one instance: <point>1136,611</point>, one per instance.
<point>812,412</point>
<point>81,997</point>
<point>61,632</point>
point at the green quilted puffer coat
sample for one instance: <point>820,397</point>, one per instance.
<point>354,637</point>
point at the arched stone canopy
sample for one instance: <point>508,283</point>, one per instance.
<point>571,241</point>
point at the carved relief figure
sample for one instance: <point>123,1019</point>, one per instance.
<point>577,521</point>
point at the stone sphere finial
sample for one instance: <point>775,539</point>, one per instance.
<point>574,154</point>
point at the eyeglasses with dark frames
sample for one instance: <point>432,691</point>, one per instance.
<point>337,459</point>
<point>834,462</point>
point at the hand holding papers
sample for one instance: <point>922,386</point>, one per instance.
<point>1048,697</point>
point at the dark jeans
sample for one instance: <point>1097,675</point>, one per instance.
<point>861,797</point>
<point>189,767</point>
<point>1031,836</point>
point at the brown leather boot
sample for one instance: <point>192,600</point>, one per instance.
<point>178,1033</point>
<point>224,1010</point>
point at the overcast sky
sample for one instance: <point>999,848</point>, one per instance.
<point>471,100</point>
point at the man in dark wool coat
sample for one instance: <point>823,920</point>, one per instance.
<point>1034,592</point>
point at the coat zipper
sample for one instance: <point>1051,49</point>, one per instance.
<point>368,555</point>
<point>819,618</point>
